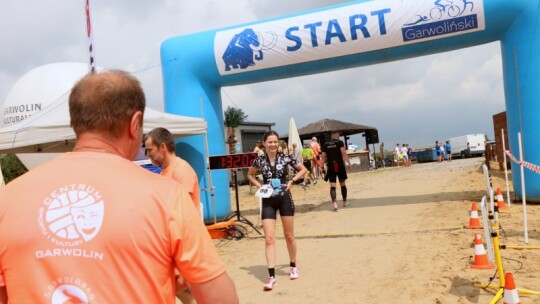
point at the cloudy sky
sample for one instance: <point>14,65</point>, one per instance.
<point>415,101</point>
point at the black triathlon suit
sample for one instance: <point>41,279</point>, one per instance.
<point>334,159</point>
<point>280,200</point>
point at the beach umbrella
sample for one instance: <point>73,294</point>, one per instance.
<point>293,134</point>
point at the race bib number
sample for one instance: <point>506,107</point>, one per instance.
<point>265,191</point>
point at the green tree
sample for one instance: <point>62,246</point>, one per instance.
<point>12,167</point>
<point>233,118</point>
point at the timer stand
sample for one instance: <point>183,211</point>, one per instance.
<point>240,217</point>
<point>234,162</point>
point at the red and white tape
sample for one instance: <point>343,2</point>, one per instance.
<point>534,168</point>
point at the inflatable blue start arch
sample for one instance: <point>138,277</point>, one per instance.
<point>354,34</point>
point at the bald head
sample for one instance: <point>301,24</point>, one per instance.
<point>105,102</point>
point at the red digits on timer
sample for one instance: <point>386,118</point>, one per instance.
<point>233,161</point>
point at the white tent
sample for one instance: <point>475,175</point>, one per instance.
<point>49,130</point>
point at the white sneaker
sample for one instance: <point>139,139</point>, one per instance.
<point>270,284</point>
<point>294,273</point>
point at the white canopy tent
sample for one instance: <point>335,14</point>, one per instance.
<point>31,129</point>
<point>49,130</point>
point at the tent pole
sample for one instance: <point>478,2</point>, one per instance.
<point>207,161</point>
<point>2,183</point>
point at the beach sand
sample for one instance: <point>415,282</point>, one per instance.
<point>402,240</point>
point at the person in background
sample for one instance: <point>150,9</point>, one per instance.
<point>398,153</point>
<point>259,149</point>
<point>297,152</point>
<point>441,148</point>
<point>405,153</point>
<point>161,150</point>
<point>409,153</point>
<point>273,166</point>
<point>335,156</point>
<point>316,162</point>
<point>448,149</point>
<point>307,156</point>
<point>133,227</point>
<point>381,154</point>
<point>285,148</point>
<point>438,150</point>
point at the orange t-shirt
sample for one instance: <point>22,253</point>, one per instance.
<point>316,148</point>
<point>182,172</point>
<point>94,227</point>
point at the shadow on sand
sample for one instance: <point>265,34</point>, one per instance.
<point>261,272</point>
<point>385,201</point>
<point>462,287</point>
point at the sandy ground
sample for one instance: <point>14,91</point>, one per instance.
<point>401,241</point>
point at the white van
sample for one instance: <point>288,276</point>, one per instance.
<point>468,145</point>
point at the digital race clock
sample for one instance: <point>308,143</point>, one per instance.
<point>232,161</point>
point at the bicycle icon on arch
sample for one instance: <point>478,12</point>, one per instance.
<point>450,9</point>
<point>441,10</point>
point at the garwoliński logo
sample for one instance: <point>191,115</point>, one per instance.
<point>246,47</point>
<point>442,18</point>
<point>72,214</point>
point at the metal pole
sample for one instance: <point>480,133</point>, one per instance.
<point>523,197</point>
<point>235,179</point>
<point>492,202</point>
<point>208,171</point>
<point>505,169</point>
<point>488,180</point>
<point>489,245</point>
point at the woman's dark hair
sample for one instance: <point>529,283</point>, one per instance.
<point>269,133</point>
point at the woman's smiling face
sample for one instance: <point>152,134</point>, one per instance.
<point>271,143</point>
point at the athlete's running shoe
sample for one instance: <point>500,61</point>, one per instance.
<point>294,273</point>
<point>270,284</point>
<point>346,204</point>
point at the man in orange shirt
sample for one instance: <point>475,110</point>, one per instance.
<point>160,148</point>
<point>93,227</point>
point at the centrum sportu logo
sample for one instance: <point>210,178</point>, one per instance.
<point>71,215</point>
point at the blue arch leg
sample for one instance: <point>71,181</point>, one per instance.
<point>182,99</point>
<point>521,64</point>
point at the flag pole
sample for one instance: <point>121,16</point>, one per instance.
<point>89,33</point>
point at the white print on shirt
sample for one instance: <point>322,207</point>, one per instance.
<point>72,214</point>
<point>69,290</point>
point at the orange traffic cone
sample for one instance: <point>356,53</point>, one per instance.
<point>480,256</point>
<point>500,200</point>
<point>510,291</point>
<point>474,221</point>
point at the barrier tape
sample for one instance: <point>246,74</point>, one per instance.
<point>534,168</point>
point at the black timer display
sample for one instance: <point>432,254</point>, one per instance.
<point>232,161</point>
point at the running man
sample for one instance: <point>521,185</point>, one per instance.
<point>334,155</point>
